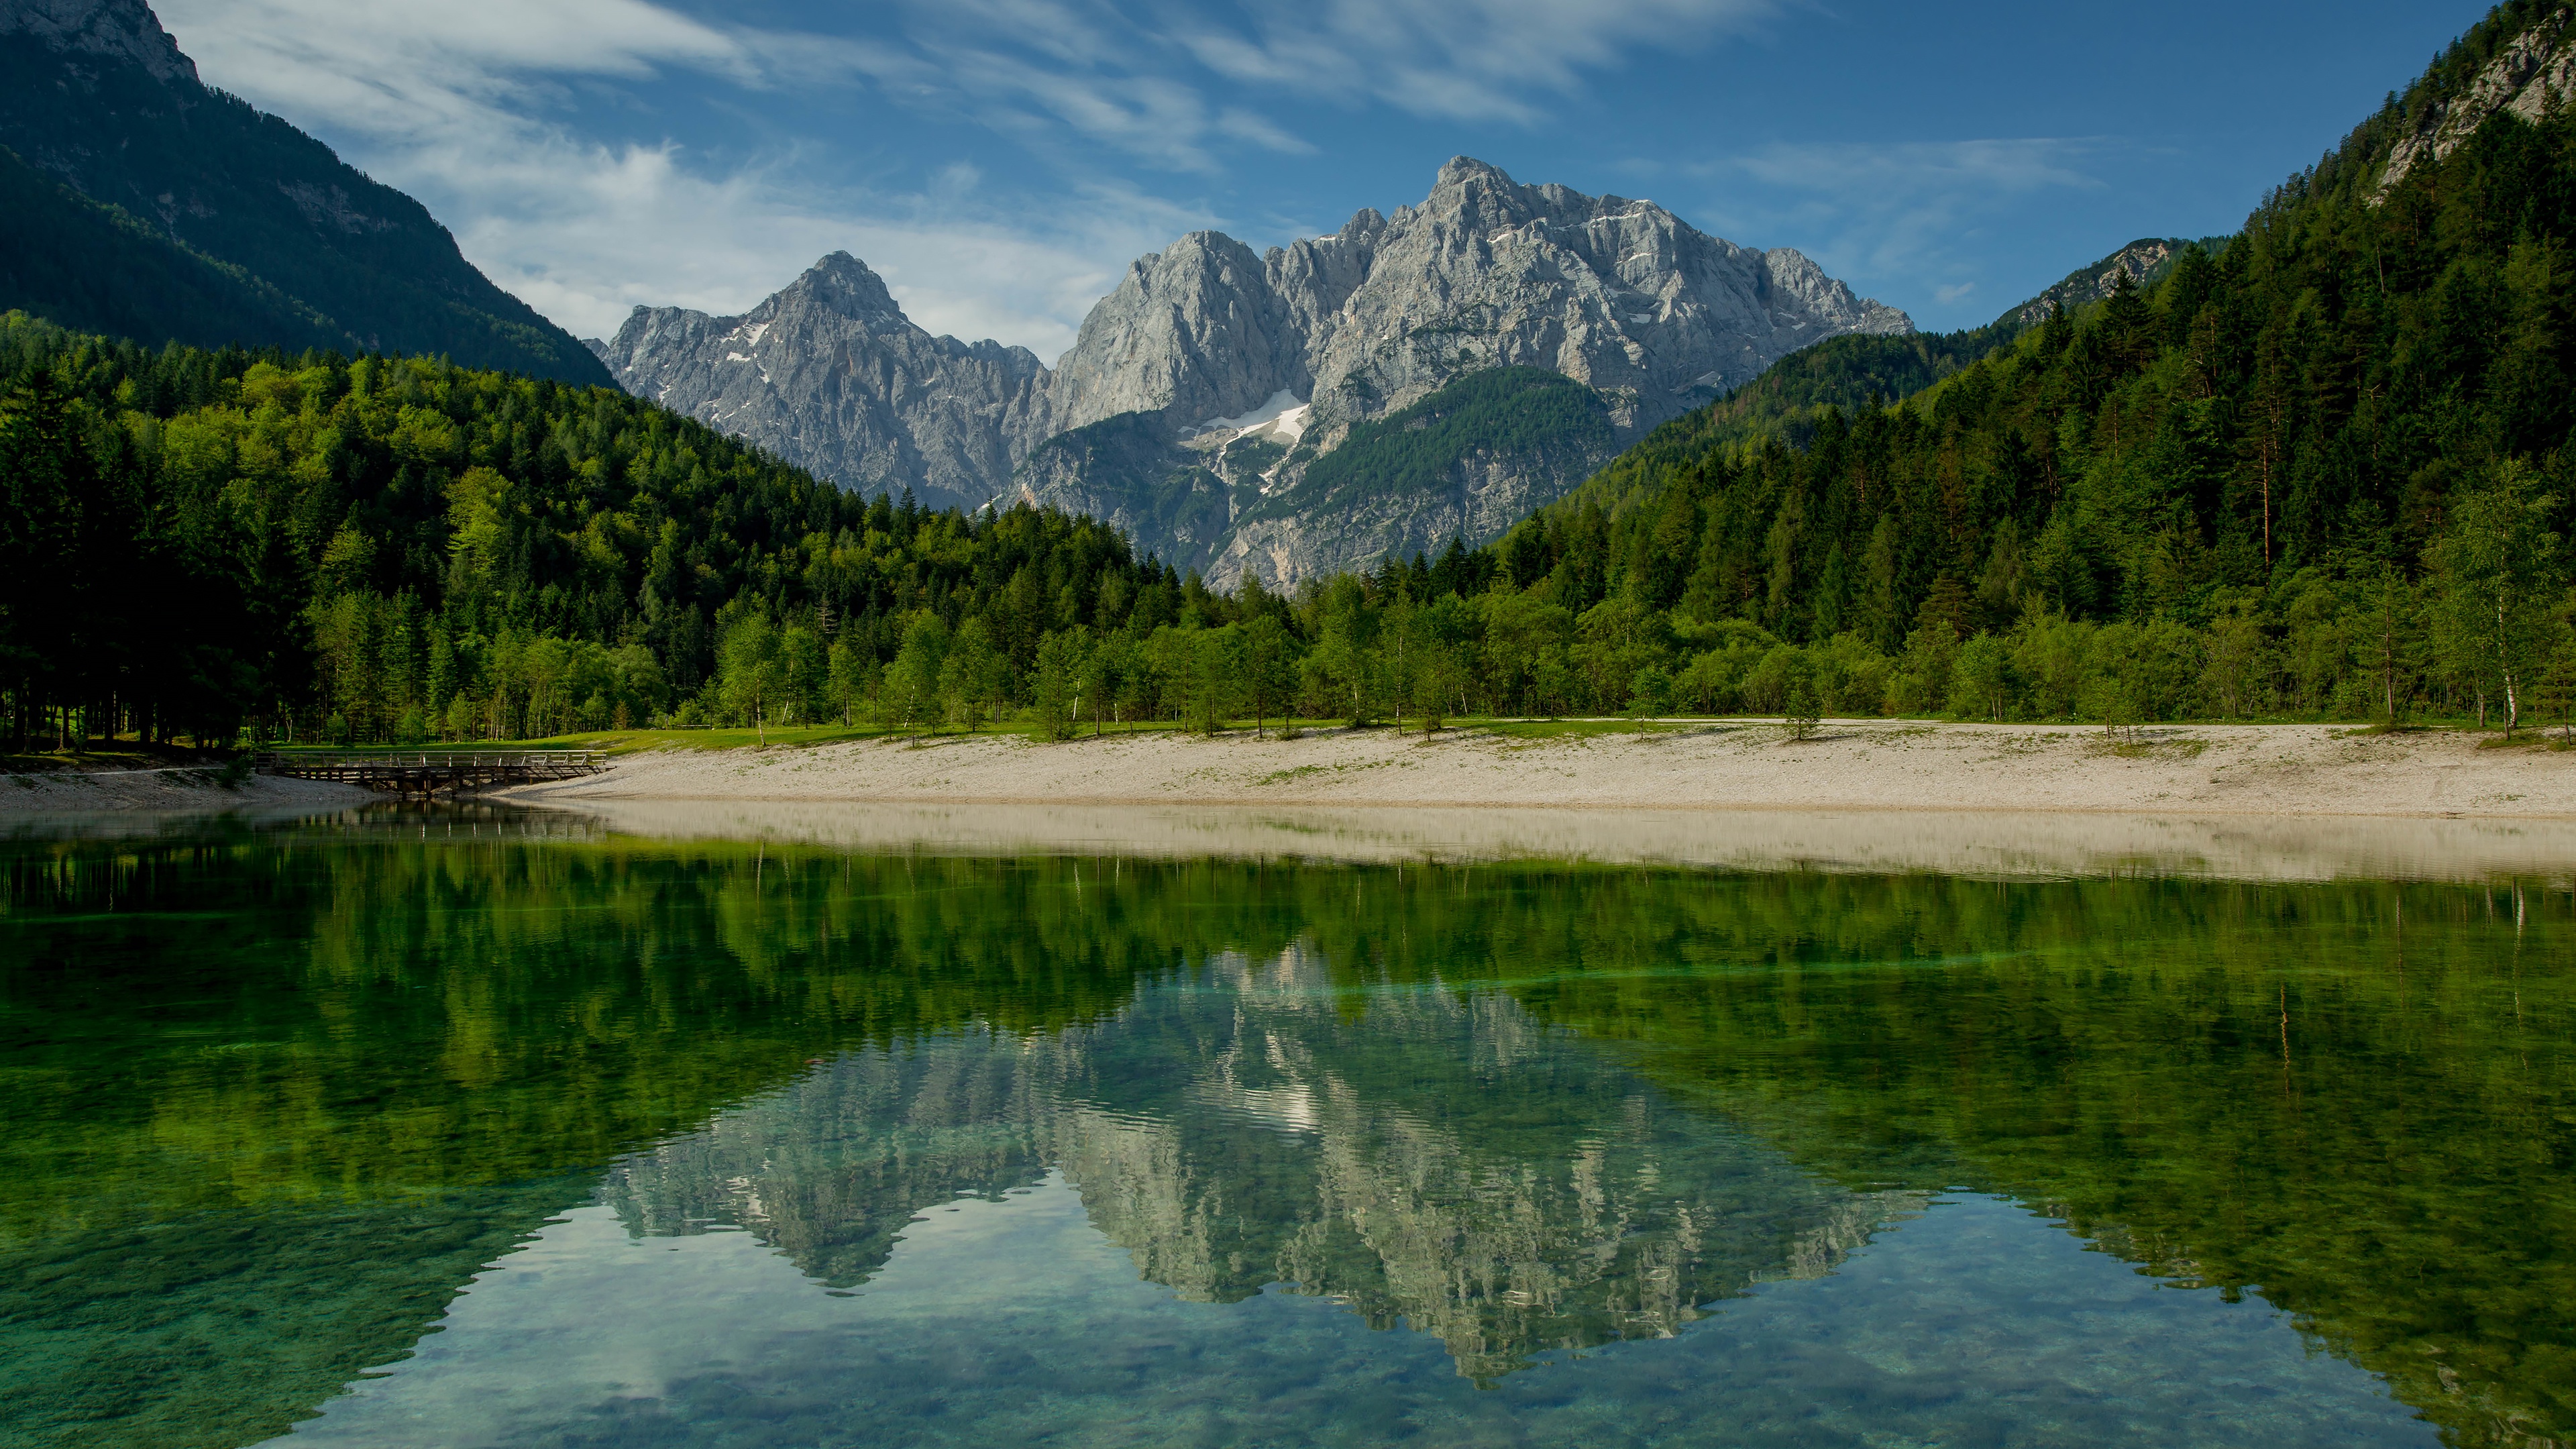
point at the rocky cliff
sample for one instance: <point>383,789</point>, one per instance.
<point>830,375</point>
<point>2532,73</point>
<point>1204,390</point>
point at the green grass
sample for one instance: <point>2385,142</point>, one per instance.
<point>125,755</point>
<point>1559,729</point>
<point>110,755</point>
<point>2524,738</point>
<point>620,742</point>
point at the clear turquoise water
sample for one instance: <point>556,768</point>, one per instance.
<point>392,1134</point>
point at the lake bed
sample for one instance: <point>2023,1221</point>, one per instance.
<point>473,1126</point>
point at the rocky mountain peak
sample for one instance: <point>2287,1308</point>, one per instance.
<point>1460,173</point>
<point>1365,223</point>
<point>1194,331</point>
<point>850,287</point>
<point>124,30</point>
<point>1201,389</point>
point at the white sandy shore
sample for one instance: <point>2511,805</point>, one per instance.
<point>2262,770</point>
<point>2013,845</point>
<point>2239,802</point>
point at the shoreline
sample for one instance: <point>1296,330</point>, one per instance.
<point>2317,772</point>
<point>1968,844</point>
<point>182,790</point>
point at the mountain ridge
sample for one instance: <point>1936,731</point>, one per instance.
<point>1214,344</point>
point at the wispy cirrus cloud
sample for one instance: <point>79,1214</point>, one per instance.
<point>501,114</point>
<point>462,104</point>
<point>1894,216</point>
<point>1138,75</point>
<point>1458,59</point>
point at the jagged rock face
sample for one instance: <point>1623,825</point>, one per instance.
<point>123,30</point>
<point>1620,295</point>
<point>2142,260</point>
<point>1124,471</point>
<point>1194,332</point>
<point>2532,71</point>
<point>831,376</point>
<point>1206,343</point>
<point>1480,497</point>
<point>1463,462</point>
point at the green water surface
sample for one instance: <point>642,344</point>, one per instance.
<point>458,1128</point>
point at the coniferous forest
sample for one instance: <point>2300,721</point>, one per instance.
<point>2318,470</point>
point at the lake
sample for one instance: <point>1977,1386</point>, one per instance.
<point>461,1126</point>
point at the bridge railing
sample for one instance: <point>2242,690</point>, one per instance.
<point>430,772</point>
<point>284,760</point>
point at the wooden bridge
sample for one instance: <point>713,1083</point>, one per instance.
<point>411,773</point>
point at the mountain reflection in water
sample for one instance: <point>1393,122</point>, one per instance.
<point>1426,1157</point>
<point>276,1103</point>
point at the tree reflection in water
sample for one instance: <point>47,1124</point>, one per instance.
<point>273,1095</point>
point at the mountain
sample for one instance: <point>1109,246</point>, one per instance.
<point>830,375</point>
<point>136,201</point>
<point>1241,1136</point>
<point>2144,262</point>
<point>1853,372</point>
<point>2323,470</point>
<point>1203,396</point>
<point>2522,78</point>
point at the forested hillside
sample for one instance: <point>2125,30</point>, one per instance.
<point>1790,399</point>
<point>136,201</point>
<point>207,542</point>
<point>2322,473</point>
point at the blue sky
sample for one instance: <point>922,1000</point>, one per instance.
<point>1000,161</point>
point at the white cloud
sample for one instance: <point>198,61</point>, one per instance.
<point>451,103</point>
<point>1874,213</point>
<point>586,235</point>
<point>474,106</point>
<point>1245,126</point>
<point>1135,75</point>
<point>1956,293</point>
<point>1457,59</point>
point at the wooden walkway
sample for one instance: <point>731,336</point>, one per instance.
<point>424,773</point>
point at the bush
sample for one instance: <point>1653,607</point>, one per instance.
<point>1851,678</point>
<point>1920,683</point>
<point>1981,679</point>
<point>1800,713</point>
<point>1768,684</point>
<point>1651,692</point>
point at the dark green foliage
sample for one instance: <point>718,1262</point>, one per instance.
<point>2147,260</point>
<point>1786,403</point>
<point>196,540</point>
<point>2355,399</point>
<point>215,224</point>
<point>1160,487</point>
<point>95,268</point>
<point>1845,373</point>
<point>1504,411</point>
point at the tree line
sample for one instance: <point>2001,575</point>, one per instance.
<point>237,545</point>
<point>2320,472</point>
